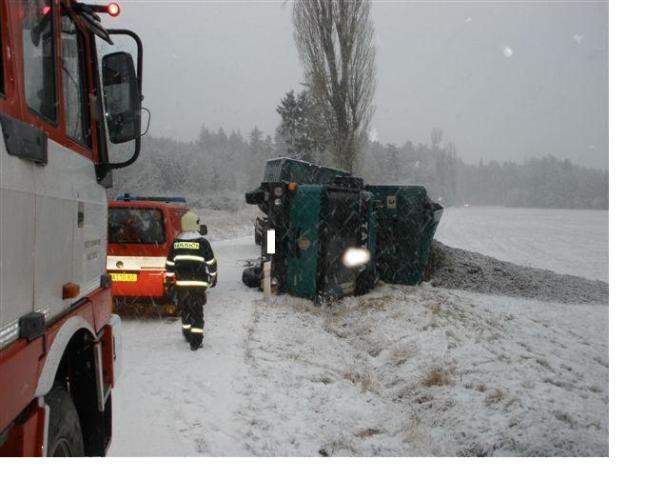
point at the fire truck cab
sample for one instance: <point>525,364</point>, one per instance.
<point>68,94</point>
<point>141,231</point>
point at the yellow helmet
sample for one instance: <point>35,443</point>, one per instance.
<point>189,221</point>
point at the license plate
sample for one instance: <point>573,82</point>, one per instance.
<point>123,277</point>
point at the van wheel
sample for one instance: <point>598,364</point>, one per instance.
<point>171,310</point>
<point>65,438</point>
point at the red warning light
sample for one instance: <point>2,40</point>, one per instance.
<point>113,9</point>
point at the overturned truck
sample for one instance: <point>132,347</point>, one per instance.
<point>337,236</point>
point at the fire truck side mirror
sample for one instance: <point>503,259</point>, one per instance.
<point>121,97</point>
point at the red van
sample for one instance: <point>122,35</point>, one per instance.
<point>141,230</point>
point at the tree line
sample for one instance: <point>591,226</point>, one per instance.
<point>216,169</point>
<point>327,123</point>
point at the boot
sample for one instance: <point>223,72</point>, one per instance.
<point>196,342</point>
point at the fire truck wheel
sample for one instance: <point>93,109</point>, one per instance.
<point>65,438</point>
<point>171,310</point>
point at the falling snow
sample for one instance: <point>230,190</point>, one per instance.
<point>399,371</point>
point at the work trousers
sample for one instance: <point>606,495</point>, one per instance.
<point>191,301</point>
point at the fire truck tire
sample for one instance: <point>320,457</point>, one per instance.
<point>65,438</point>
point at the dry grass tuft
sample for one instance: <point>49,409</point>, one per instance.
<point>439,376</point>
<point>323,379</point>
<point>377,303</point>
<point>369,432</point>
<point>494,396</point>
<point>366,381</point>
<point>402,354</point>
<point>435,377</point>
<point>338,447</point>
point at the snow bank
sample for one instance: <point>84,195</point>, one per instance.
<point>462,269</point>
<point>426,371</point>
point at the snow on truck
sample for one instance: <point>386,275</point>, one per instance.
<point>141,231</point>
<point>288,170</point>
<point>333,235</point>
<point>62,108</point>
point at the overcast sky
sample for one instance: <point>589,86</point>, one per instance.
<point>503,80</point>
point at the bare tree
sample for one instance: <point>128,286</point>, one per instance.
<point>335,40</point>
<point>436,136</point>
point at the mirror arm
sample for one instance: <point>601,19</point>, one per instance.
<point>149,117</point>
<point>104,167</point>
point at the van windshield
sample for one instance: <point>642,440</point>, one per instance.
<point>136,225</point>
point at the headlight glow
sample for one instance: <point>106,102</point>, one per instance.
<point>354,257</point>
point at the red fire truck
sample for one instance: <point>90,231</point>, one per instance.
<point>141,231</point>
<point>68,96</point>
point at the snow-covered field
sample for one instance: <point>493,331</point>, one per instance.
<point>565,241</point>
<point>400,371</point>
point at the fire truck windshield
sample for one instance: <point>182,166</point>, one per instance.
<point>136,225</point>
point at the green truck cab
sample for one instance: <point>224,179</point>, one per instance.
<point>329,213</point>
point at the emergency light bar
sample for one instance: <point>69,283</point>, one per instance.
<point>165,199</point>
<point>113,9</point>
<point>89,14</point>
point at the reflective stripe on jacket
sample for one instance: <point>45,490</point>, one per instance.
<point>191,261</point>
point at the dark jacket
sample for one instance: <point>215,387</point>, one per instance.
<point>191,261</point>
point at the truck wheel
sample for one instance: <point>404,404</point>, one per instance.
<point>252,276</point>
<point>65,438</point>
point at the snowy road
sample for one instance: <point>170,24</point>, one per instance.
<point>400,371</point>
<point>172,401</point>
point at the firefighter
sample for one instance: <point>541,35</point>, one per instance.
<point>192,262</point>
